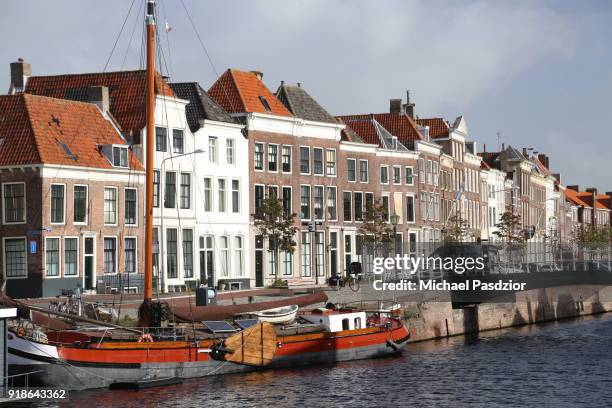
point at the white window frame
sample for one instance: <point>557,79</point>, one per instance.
<point>322,161</point>
<point>230,141</point>
<point>290,159</point>
<point>290,198</point>
<point>116,206</point>
<point>124,202</point>
<point>86,204</point>
<point>239,197</point>
<point>219,195</point>
<point>384,166</point>
<point>277,158</point>
<point>399,168</point>
<point>313,215</point>
<point>135,251</point>
<point>326,201</point>
<point>367,171</point>
<point>104,273</point>
<point>310,208</point>
<point>211,190</point>
<point>25,201</point>
<point>59,258</point>
<point>356,170</point>
<point>335,167</point>
<point>263,156</point>
<point>310,161</point>
<point>25,247</point>
<point>263,186</point>
<point>51,203</point>
<point>78,269</point>
<point>414,211</point>
<point>127,156</point>
<point>213,153</point>
<point>412,178</point>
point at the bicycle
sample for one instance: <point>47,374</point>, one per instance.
<point>353,280</point>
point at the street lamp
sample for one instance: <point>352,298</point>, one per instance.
<point>162,203</point>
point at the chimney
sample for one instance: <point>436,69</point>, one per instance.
<point>484,147</point>
<point>503,147</point>
<point>544,160</point>
<point>20,72</point>
<point>574,187</point>
<point>592,190</point>
<point>525,152</point>
<point>557,176</point>
<point>395,105</point>
<point>409,107</point>
<point>258,74</point>
<point>99,96</point>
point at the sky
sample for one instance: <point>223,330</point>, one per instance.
<point>538,72</point>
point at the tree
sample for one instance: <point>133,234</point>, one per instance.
<point>457,230</point>
<point>509,228</point>
<point>276,225</point>
<point>594,234</point>
<point>376,228</point>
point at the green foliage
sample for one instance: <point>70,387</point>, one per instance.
<point>509,228</point>
<point>376,228</point>
<point>456,230</point>
<point>594,234</point>
<point>277,226</point>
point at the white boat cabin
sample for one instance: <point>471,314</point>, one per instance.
<point>336,321</point>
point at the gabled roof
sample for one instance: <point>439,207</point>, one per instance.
<point>240,91</point>
<point>438,128</point>
<point>399,125</point>
<point>349,135</point>
<point>572,196</point>
<point>372,132</point>
<point>587,197</point>
<point>127,92</point>
<point>541,167</point>
<point>302,105</point>
<point>201,106</point>
<point>41,130</point>
<point>513,154</point>
<point>491,159</point>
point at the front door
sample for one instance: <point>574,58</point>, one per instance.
<point>89,263</point>
<point>259,262</point>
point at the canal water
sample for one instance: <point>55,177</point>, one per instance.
<point>562,364</point>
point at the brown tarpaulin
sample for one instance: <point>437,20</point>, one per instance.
<point>218,312</point>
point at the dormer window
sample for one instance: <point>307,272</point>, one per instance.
<point>120,156</point>
<point>394,143</point>
<point>265,103</point>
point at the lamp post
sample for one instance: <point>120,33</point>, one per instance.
<point>162,203</point>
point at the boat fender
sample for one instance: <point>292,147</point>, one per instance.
<point>393,345</point>
<point>145,338</point>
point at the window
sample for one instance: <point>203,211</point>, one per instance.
<point>161,135</point>
<point>185,190</point>
<point>347,205</point>
<point>287,263</point>
<point>15,257</point>
<point>410,213</point>
<point>385,205</point>
<point>318,202</point>
<point>409,175</point>
<point>170,196</point>
<point>351,171</point>
<point>188,253</point>
<point>422,171</point>
<point>397,175</point>
<point>429,172</point>
<point>363,171</point>
<point>14,202</point>
<point>305,202</point>
<point>332,213</point>
<point>436,168</point>
<point>52,256</point>
<point>110,255</point>
<point>224,255</point>
<point>306,257</point>
<point>286,159</point>
<point>320,253</point>
<point>304,160</point>
<point>235,196</point>
<point>384,174</point>
<point>272,258</point>
<point>264,103</point>
<point>79,204</point>
<point>229,151</point>
<point>178,141</point>
<point>130,255</point>
<point>369,201</point>
<point>172,255</point>
<point>110,205</point>
<point>155,188</point>
<point>130,206</point>
<point>259,156</point>
<point>422,206</point>
<point>120,156</point>
<point>259,197</point>
<point>207,194</point>
<point>330,162</point>
<point>212,149</point>
<point>238,268</point>
<point>317,161</point>
<point>287,201</point>
<point>273,192</point>
<point>272,157</point>
<point>57,203</point>
<point>221,191</point>
<point>358,201</point>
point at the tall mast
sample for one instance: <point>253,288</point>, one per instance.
<point>148,271</point>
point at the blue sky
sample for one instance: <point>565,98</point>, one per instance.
<point>539,72</point>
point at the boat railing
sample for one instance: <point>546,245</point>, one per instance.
<point>21,380</point>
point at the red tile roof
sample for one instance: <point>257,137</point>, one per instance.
<point>240,91</point>
<point>127,92</point>
<point>588,198</point>
<point>33,129</point>
<point>365,129</point>
<point>572,196</point>
<point>399,125</point>
<point>438,128</point>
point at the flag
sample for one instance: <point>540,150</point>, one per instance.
<point>168,28</point>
